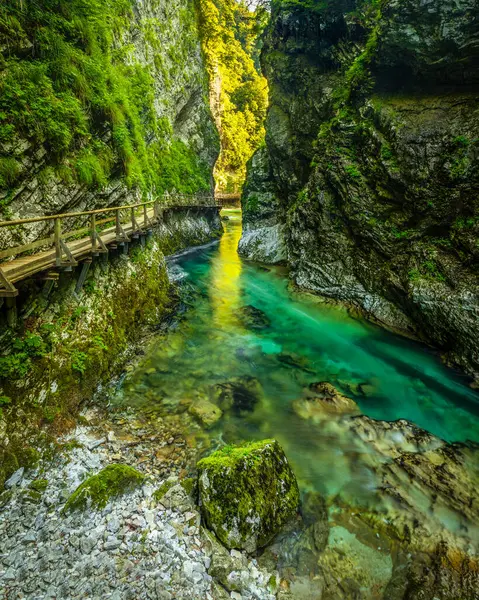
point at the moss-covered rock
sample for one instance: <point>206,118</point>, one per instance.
<point>112,481</point>
<point>247,493</point>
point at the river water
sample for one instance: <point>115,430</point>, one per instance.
<point>287,341</point>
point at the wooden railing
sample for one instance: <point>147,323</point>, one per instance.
<point>116,227</point>
<point>227,199</point>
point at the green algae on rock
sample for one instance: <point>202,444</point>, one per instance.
<point>247,493</point>
<point>96,491</point>
<point>206,412</point>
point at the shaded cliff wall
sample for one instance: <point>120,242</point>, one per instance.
<point>368,184</point>
<point>69,345</point>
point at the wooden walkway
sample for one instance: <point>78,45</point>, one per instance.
<point>45,257</point>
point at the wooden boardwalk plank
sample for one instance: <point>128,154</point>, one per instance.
<point>23,267</point>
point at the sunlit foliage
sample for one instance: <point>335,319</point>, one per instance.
<point>231,41</point>
<point>69,82</point>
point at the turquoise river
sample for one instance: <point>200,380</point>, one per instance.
<point>242,324</point>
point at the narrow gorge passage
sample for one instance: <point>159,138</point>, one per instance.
<point>277,401</point>
<point>248,343</point>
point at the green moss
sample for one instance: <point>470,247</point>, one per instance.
<point>10,169</point>
<point>112,481</point>
<point>161,491</point>
<point>230,34</point>
<point>76,85</point>
<point>352,171</point>
<point>189,485</point>
<point>8,465</point>
<point>247,493</point>
<point>229,455</point>
<point>39,485</point>
<point>32,496</point>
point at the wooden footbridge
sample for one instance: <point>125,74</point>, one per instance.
<point>68,243</point>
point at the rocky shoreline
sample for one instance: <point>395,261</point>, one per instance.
<point>413,536</point>
<point>138,546</point>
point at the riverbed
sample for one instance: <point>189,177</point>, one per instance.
<point>243,326</point>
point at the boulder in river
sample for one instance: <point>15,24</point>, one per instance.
<point>323,398</point>
<point>240,394</point>
<point>247,493</point>
<point>254,318</point>
<point>206,412</point>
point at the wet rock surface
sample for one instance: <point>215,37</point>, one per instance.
<point>241,394</point>
<point>254,318</point>
<point>418,537</point>
<point>368,183</point>
<point>322,399</point>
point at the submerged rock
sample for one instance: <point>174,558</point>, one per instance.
<point>295,361</point>
<point>254,318</point>
<point>321,399</point>
<point>240,394</point>
<point>247,493</point>
<point>206,412</point>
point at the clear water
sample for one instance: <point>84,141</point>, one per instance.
<point>307,341</point>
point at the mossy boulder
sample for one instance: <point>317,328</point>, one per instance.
<point>247,493</point>
<point>96,491</point>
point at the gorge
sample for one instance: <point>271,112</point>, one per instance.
<point>272,402</point>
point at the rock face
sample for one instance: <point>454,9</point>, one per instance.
<point>411,536</point>
<point>369,182</point>
<point>120,300</point>
<point>206,412</point>
<point>163,41</point>
<point>247,493</point>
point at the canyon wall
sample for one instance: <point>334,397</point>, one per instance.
<point>368,185</point>
<point>102,103</point>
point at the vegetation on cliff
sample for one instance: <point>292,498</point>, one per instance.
<point>371,161</point>
<point>239,96</point>
<point>70,80</point>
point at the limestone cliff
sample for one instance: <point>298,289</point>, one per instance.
<point>368,185</point>
<point>101,103</point>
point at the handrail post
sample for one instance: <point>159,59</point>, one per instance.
<point>93,233</point>
<point>145,216</point>
<point>58,247</point>
<point>118,225</point>
<point>156,210</point>
<point>134,224</point>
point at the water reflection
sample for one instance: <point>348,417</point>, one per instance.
<point>225,290</point>
<point>244,327</point>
